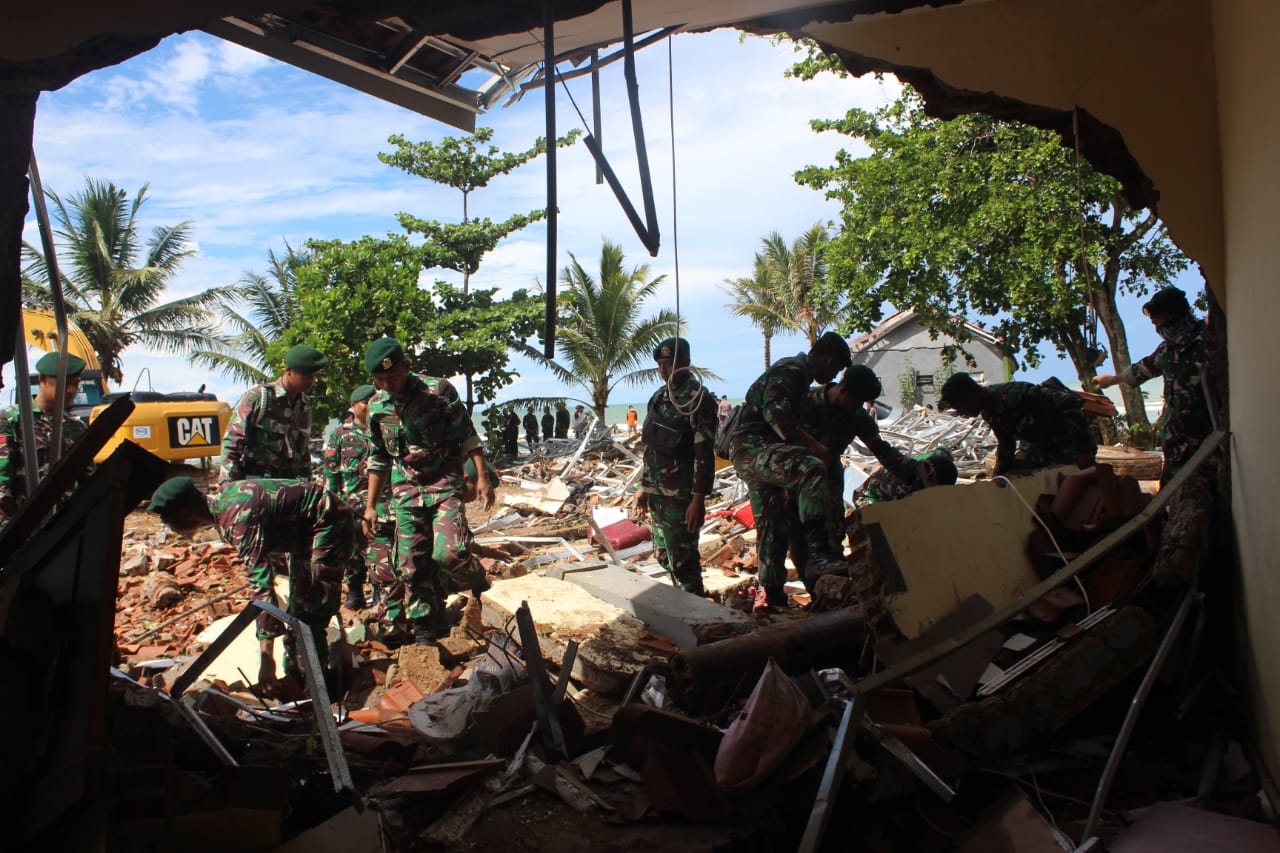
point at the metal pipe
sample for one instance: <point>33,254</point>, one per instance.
<point>596,122</point>
<point>1135,706</point>
<point>26,415</point>
<point>59,310</point>
<point>549,102</point>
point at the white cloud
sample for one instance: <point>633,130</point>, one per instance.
<point>257,153</point>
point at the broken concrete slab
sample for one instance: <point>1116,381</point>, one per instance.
<point>609,648</point>
<point>543,498</point>
<point>939,546</point>
<point>688,620</point>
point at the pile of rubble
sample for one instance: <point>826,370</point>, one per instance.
<point>585,702</point>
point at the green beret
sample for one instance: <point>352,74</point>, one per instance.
<point>677,348</point>
<point>834,345</point>
<point>48,365</point>
<point>364,392</point>
<point>861,381</point>
<point>1167,302</point>
<point>938,468</point>
<point>469,471</point>
<point>383,354</point>
<point>958,387</point>
<point>172,493</point>
<point>305,359</point>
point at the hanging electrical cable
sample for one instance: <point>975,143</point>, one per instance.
<point>1094,352</point>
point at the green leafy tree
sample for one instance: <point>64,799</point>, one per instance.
<point>975,218</point>
<point>759,299</point>
<point>466,164</point>
<point>113,280</point>
<point>258,309</point>
<point>349,293</point>
<point>603,338</point>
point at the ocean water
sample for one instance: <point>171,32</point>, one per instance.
<point>615,414</point>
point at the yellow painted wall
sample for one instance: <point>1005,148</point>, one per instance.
<point>1248,80</point>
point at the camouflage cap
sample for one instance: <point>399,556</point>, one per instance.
<point>305,359</point>
<point>958,387</point>
<point>383,354</point>
<point>834,345</point>
<point>677,348</point>
<point>172,493</point>
<point>48,365</point>
<point>861,381</point>
<point>364,392</point>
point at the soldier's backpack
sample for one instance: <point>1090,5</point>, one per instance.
<point>724,433</point>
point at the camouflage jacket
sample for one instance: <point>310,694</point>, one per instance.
<point>531,426</point>
<point>679,459</point>
<point>269,436</point>
<point>1037,415</point>
<point>773,402</point>
<point>422,438</point>
<point>887,485</point>
<point>1179,359</point>
<point>836,430</point>
<point>13,467</point>
<point>346,463</point>
<point>562,423</point>
<point>548,426</point>
<point>264,516</point>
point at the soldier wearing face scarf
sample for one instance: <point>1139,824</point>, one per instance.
<point>1182,360</point>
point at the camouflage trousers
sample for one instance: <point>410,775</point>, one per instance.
<point>771,470</point>
<point>373,558</point>
<point>835,522</point>
<point>433,554</point>
<point>1177,450</point>
<point>674,546</point>
<point>315,569</point>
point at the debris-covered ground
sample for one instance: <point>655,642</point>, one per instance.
<point>586,703</point>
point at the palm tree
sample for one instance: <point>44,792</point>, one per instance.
<point>800,271</point>
<point>760,300</point>
<point>603,340</point>
<point>258,309</point>
<point>109,295</point>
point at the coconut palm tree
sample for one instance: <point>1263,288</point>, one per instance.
<point>603,339</point>
<point>257,309</point>
<point>760,300</point>
<point>801,272</point>
<point>113,283</point>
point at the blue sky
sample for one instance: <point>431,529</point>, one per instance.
<point>257,153</point>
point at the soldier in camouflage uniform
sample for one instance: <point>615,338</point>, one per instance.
<point>935,468</point>
<point>300,518</point>
<point>346,456</point>
<point>1182,359</point>
<point>679,464</point>
<point>836,414</point>
<point>270,430</point>
<point>773,453</point>
<point>14,489</point>
<point>421,434</point>
<point>562,420</point>
<point>1050,423</point>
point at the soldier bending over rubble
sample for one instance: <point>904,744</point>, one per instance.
<point>260,517</point>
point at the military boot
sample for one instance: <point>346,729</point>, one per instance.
<point>424,631</point>
<point>822,560</point>
<point>355,597</point>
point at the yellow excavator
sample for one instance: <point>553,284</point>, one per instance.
<point>178,426</point>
